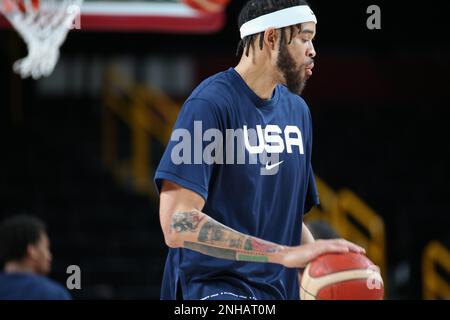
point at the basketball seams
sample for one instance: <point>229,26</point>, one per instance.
<point>340,276</point>
<point>306,279</point>
<point>335,293</point>
<point>306,295</point>
<point>319,283</point>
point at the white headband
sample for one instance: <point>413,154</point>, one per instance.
<point>278,19</point>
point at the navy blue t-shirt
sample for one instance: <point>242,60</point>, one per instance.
<point>28,286</point>
<point>250,159</point>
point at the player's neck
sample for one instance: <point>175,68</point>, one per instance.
<point>258,76</point>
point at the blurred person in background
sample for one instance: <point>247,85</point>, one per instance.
<point>26,260</point>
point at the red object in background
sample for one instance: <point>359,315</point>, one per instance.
<point>10,5</point>
<point>344,276</point>
<point>207,6</point>
<point>34,4</point>
<point>140,16</point>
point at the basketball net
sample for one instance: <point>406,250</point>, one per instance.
<point>44,26</point>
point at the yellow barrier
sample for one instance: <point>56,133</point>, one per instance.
<point>328,204</point>
<point>148,113</point>
<point>434,285</point>
<point>360,224</point>
<point>353,220</point>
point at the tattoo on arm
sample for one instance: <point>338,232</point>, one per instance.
<point>211,232</point>
<point>253,244</point>
<point>186,221</point>
<point>214,233</point>
<point>219,241</point>
<point>217,234</point>
<point>223,253</point>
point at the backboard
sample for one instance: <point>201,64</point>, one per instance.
<point>174,16</point>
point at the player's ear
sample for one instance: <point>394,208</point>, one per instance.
<point>32,251</point>
<point>270,38</point>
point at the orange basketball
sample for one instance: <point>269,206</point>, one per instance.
<point>207,6</point>
<point>341,276</point>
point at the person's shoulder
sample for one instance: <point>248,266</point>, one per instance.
<point>32,286</point>
<point>216,89</point>
<point>50,289</point>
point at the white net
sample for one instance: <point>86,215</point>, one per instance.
<point>44,30</point>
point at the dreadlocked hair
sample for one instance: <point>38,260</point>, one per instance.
<point>256,8</point>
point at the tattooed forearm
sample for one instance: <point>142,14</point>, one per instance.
<point>186,221</point>
<point>223,253</point>
<point>201,233</point>
<point>214,233</point>
<point>260,245</point>
<point>220,241</point>
<point>211,231</point>
<point>236,243</point>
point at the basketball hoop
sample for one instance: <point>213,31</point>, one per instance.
<point>43,25</point>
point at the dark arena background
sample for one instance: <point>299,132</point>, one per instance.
<point>79,148</point>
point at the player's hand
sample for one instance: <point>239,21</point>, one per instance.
<point>300,256</point>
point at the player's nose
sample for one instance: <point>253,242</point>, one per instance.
<point>311,51</point>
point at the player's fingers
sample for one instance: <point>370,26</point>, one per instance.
<point>340,245</point>
<point>334,247</point>
<point>351,246</point>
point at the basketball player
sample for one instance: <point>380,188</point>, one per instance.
<point>26,258</point>
<point>235,228</point>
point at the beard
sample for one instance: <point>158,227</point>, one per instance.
<point>295,76</point>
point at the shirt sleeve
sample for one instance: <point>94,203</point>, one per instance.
<point>182,162</point>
